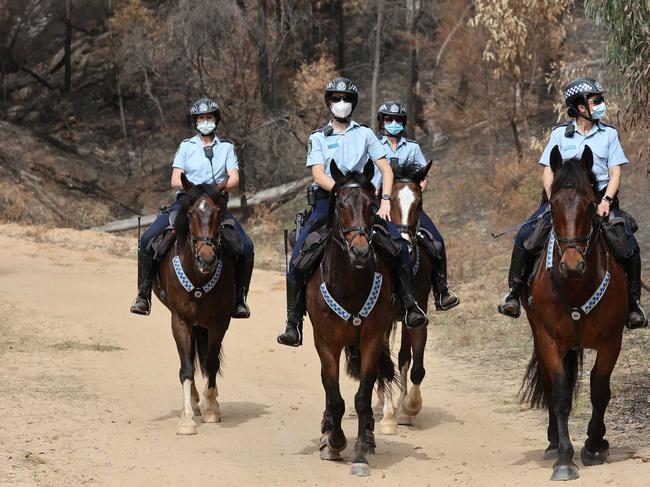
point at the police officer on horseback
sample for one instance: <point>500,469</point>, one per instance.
<point>204,159</point>
<point>586,107</point>
<point>350,145</point>
<point>402,151</point>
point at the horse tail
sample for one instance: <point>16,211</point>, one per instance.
<point>532,389</point>
<point>200,348</point>
<point>385,365</point>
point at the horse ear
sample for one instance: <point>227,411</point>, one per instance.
<point>425,170</point>
<point>336,173</point>
<point>556,158</point>
<point>587,159</point>
<point>369,170</point>
<point>187,185</point>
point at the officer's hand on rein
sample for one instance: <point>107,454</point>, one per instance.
<point>603,208</point>
<point>384,210</point>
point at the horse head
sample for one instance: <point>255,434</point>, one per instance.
<point>352,198</point>
<point>200,221</point>
<point>573,208</point>
<point>407,198</point>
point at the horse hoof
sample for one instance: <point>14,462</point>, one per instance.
<point>590,459</point>
<point>565,472</point>
<point>329,454</point>
<point>360,469</point>
<point>551,453</point>
<point>211,417</point>
<point>186,428</point>
<point>388,429</point>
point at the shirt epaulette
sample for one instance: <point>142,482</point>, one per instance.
<point>607,125</point>
<point>227,141</point>
<point>326,130</point>
<point>563,124</point>
<point>409,140</point>
<point>189,139</point>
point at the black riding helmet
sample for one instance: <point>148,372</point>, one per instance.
<point>342,85</point>
<point>577,92</point>
<point>392,109</point>
<point>203,106</point>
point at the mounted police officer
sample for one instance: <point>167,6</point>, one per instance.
<point>350,145</point>
<point>586,107</point>
<point>204,159</point>
<point>391,118</point>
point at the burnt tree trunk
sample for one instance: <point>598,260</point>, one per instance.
<point>376,66</point>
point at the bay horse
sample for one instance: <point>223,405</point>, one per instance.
<point>196,281</point>
<point>349,306</point>
<point>578,299</point>
<point>405,214</point>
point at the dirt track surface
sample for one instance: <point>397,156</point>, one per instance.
<point>90,395</point>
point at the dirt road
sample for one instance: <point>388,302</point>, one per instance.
<point>90,395</point>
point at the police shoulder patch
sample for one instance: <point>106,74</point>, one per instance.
<point>563,124</point>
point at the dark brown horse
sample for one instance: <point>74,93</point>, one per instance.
<point>349,305</point>
<point>197,283</point>
<point>578,299</point>
<point>405,214</point>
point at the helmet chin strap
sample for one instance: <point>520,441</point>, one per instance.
<point>584,97</point>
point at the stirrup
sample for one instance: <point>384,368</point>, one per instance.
<point>415,308</point>
<point>639,310</point>
<point>136,310</point>
<point>441,307</point>
<point>297,343</point>
<point>502,308</point>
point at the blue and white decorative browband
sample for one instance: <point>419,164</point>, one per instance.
<point>197,292</point>
<point>365,310</point>
<point>595,298</point>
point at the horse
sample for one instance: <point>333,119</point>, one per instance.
<point>578,299</point>
<point>196,282</point>
<point>405,214</point>
<point>349,306</point>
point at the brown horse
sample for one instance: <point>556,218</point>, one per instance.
<point>578,299</point>
<point>405,214</point>
<point>349,305</point>
<point>196,281</point>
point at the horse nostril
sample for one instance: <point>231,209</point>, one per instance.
<point>563,267</point>
<point>581,267</point>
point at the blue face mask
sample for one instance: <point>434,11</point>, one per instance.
<point>394,128</point>
<point>598,111</point>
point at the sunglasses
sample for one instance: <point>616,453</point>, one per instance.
<point>338,98</point>
<point>597,100</point>
<point>390,119</point>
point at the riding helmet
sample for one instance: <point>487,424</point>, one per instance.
<point>342,85</point>
<point>203,106</point>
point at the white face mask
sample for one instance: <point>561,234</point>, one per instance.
<point>206,127</point>
<point>341,109</point>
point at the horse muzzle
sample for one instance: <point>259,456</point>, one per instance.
<point>573,268</point>
<point>207,264</point>
<point>360,256</point>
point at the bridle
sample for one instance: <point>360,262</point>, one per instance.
<point>214,242</point>
<point>340,231</point>
<point>588,238</point>
<point>412,230</point>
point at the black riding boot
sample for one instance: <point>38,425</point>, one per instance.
<point>414,317</point>
<point>510,306</point>
<point>292,335</point>
<point>444,297</point>
<point>142,303</point>
<point>637,318</point>
<point>243,279</point>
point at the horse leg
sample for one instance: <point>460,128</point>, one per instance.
<point>596,447</point>
<point>210,406</point>
<point>183,336</point>
<point>404,363</point>
<point>194,394</point>
<point>388,424</point>
<point>378,409</point>
<point>413,402</point>
<point>560,403</point>
<point>362,404</point>
<point>332,441</point>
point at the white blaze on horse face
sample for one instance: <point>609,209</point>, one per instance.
<point>203,206</point>
<point>406,198</point>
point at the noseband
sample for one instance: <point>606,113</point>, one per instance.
<point>343,231</point>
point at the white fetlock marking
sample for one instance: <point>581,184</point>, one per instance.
<point>413,402</point>
<point>388,425</point>
<point>210,406</point>
<point>187,398</point>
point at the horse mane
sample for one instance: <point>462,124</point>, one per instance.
<point>352,176</point>
<point>182,223</point>
<point>411,171</point>
<point>573,175</point>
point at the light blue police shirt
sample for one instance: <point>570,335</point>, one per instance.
<point>602,140</point>
<point>350,149</point>
<point>190,158</point>
<point>407,152</point>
